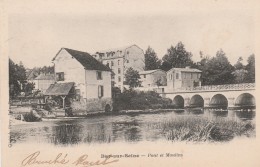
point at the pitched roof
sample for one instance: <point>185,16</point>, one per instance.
<point>149,71</point>
<point>59,89</point>
<point>31,74</point>
<point>86,60</point>
<point>45,77</point>
<point>185,69</point>
<point>114,49</point>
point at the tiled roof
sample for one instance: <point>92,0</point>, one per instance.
<point>86,60</point>
<point>59,89</point>
<point>45,77</point>
<point>114,49</point>
<point>185,70</point>
<point>149,71</point>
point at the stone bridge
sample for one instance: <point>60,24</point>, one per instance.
<point>215,96</point>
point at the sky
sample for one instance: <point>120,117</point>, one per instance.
<point>38,29</point>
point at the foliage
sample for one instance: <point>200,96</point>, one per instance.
<point>176,57</point>
<point>17,77</point>
<point>115,92</point>
<point>250,67</point>
<point>151,60</point>
<point>240,73</point>
<point>217,70</point>
<point>240,76</point>
<point>239,65</point>
<point>45,69</point>
<point>28,87</point>
<point>132,100</point>
<point>30,117</point>
<point>17,80</point>
<point>132,78</point>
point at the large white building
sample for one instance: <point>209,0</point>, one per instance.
<point>119,60</point>
<point>84,78</point>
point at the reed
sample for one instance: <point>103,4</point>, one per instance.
<point>197,129</point>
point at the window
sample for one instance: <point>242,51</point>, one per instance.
<point>112,63</point>
<point>60,76</point>
<point>113,76</point>
<point>77,94</point>
<point>100,91</point>
<point>99,75</point>
<point>177,75</point>
<point>118,62</point>
<point>184,75</point>
<point>127,61</point>
<point>119,79</point>
<point>119,71</point>
<point>144,76</point>
<point>191,76</point>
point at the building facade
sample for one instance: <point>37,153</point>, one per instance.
<point>183,78</point>
<point>153,78</point>
<point>92,80</point>
<point>119,60</point>
<point>43,81</point>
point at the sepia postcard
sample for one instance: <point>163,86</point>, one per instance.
<point>129,83</point>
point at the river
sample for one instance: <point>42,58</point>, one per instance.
<point>111,128</point>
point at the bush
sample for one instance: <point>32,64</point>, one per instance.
<point>132,100</point>
<point>30,117</point>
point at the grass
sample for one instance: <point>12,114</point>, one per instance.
<point>197,129</point>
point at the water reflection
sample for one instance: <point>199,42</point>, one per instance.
<point>220,112</point>
<point>245,114</point>
<point>106,129</point>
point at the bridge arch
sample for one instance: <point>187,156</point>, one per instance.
<point>218,101</point>
<point>178,101</point>
<point>246,100</point>
<point>196,101</point>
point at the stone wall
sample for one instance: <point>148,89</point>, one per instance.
<point>88,106</point>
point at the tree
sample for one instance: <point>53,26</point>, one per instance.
<point>240,75</point>
<point>151,60</point>
<point>218,70</point>
<point>202,63</point>
<point>239,65</point>
<point>28,87</point>
<point>17,77</point>
<point>132,78</point>
<point>176,57</point>
<point>250,67</point>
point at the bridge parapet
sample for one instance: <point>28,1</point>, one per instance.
<point>244,86</point>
